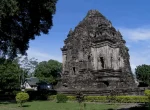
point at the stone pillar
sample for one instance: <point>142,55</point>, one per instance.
<point>95,61</point>
<point>64,58</point>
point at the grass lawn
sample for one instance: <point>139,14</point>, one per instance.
<point>47,105</point>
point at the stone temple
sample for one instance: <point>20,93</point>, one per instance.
<point>95,57</point>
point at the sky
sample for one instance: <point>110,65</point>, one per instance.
<point>131,17</point>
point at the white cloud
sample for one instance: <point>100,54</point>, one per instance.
<point>137,58</point>
<point>138,40</point>
<point>136,34</point>
<point>42,56</point>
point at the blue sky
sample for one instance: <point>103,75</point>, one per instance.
<point>131,17</point>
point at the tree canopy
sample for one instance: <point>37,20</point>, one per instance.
<point>21,21</point>
<point>143,73</point>
<point>9,74</point>
<point>48,70</point>
<point>13,72</point>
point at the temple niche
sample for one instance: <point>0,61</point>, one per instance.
<point>95,56</point>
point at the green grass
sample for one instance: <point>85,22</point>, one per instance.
<point>47,105</point>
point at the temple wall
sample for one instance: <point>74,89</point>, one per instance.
<point>80,56</point>
<point>109,56</point>
<point>105,92</point>
<point>64,58</point>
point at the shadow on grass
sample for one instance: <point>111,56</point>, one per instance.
<point>139,107</point>
<point>26,105</point>
<point>11,102</point>
<point>134,108</point>
<point>7,102</point>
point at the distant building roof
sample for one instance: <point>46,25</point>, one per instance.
<point>32,81</point>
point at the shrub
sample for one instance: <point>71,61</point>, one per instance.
<point>147,93</point>
<point>131,99</point>
<point>61,98</point>
<point>22,97</point>
<point>118,99</point>
<point>71,98</point>
<point>52,97</point>
<point>112,97</point>
<point>104,99</point>
<point>79,97</point>
<point>95,98</point>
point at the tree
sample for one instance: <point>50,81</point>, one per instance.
<point>21,21</point>
<point>143,73</point>
<point>48,70</point>
<point>27,65</point>
<point>22,97</point>
<point>9,75</point>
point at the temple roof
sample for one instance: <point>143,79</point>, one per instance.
<point>95,27</point>
<point>94,17</point>
<point>94,13</point>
